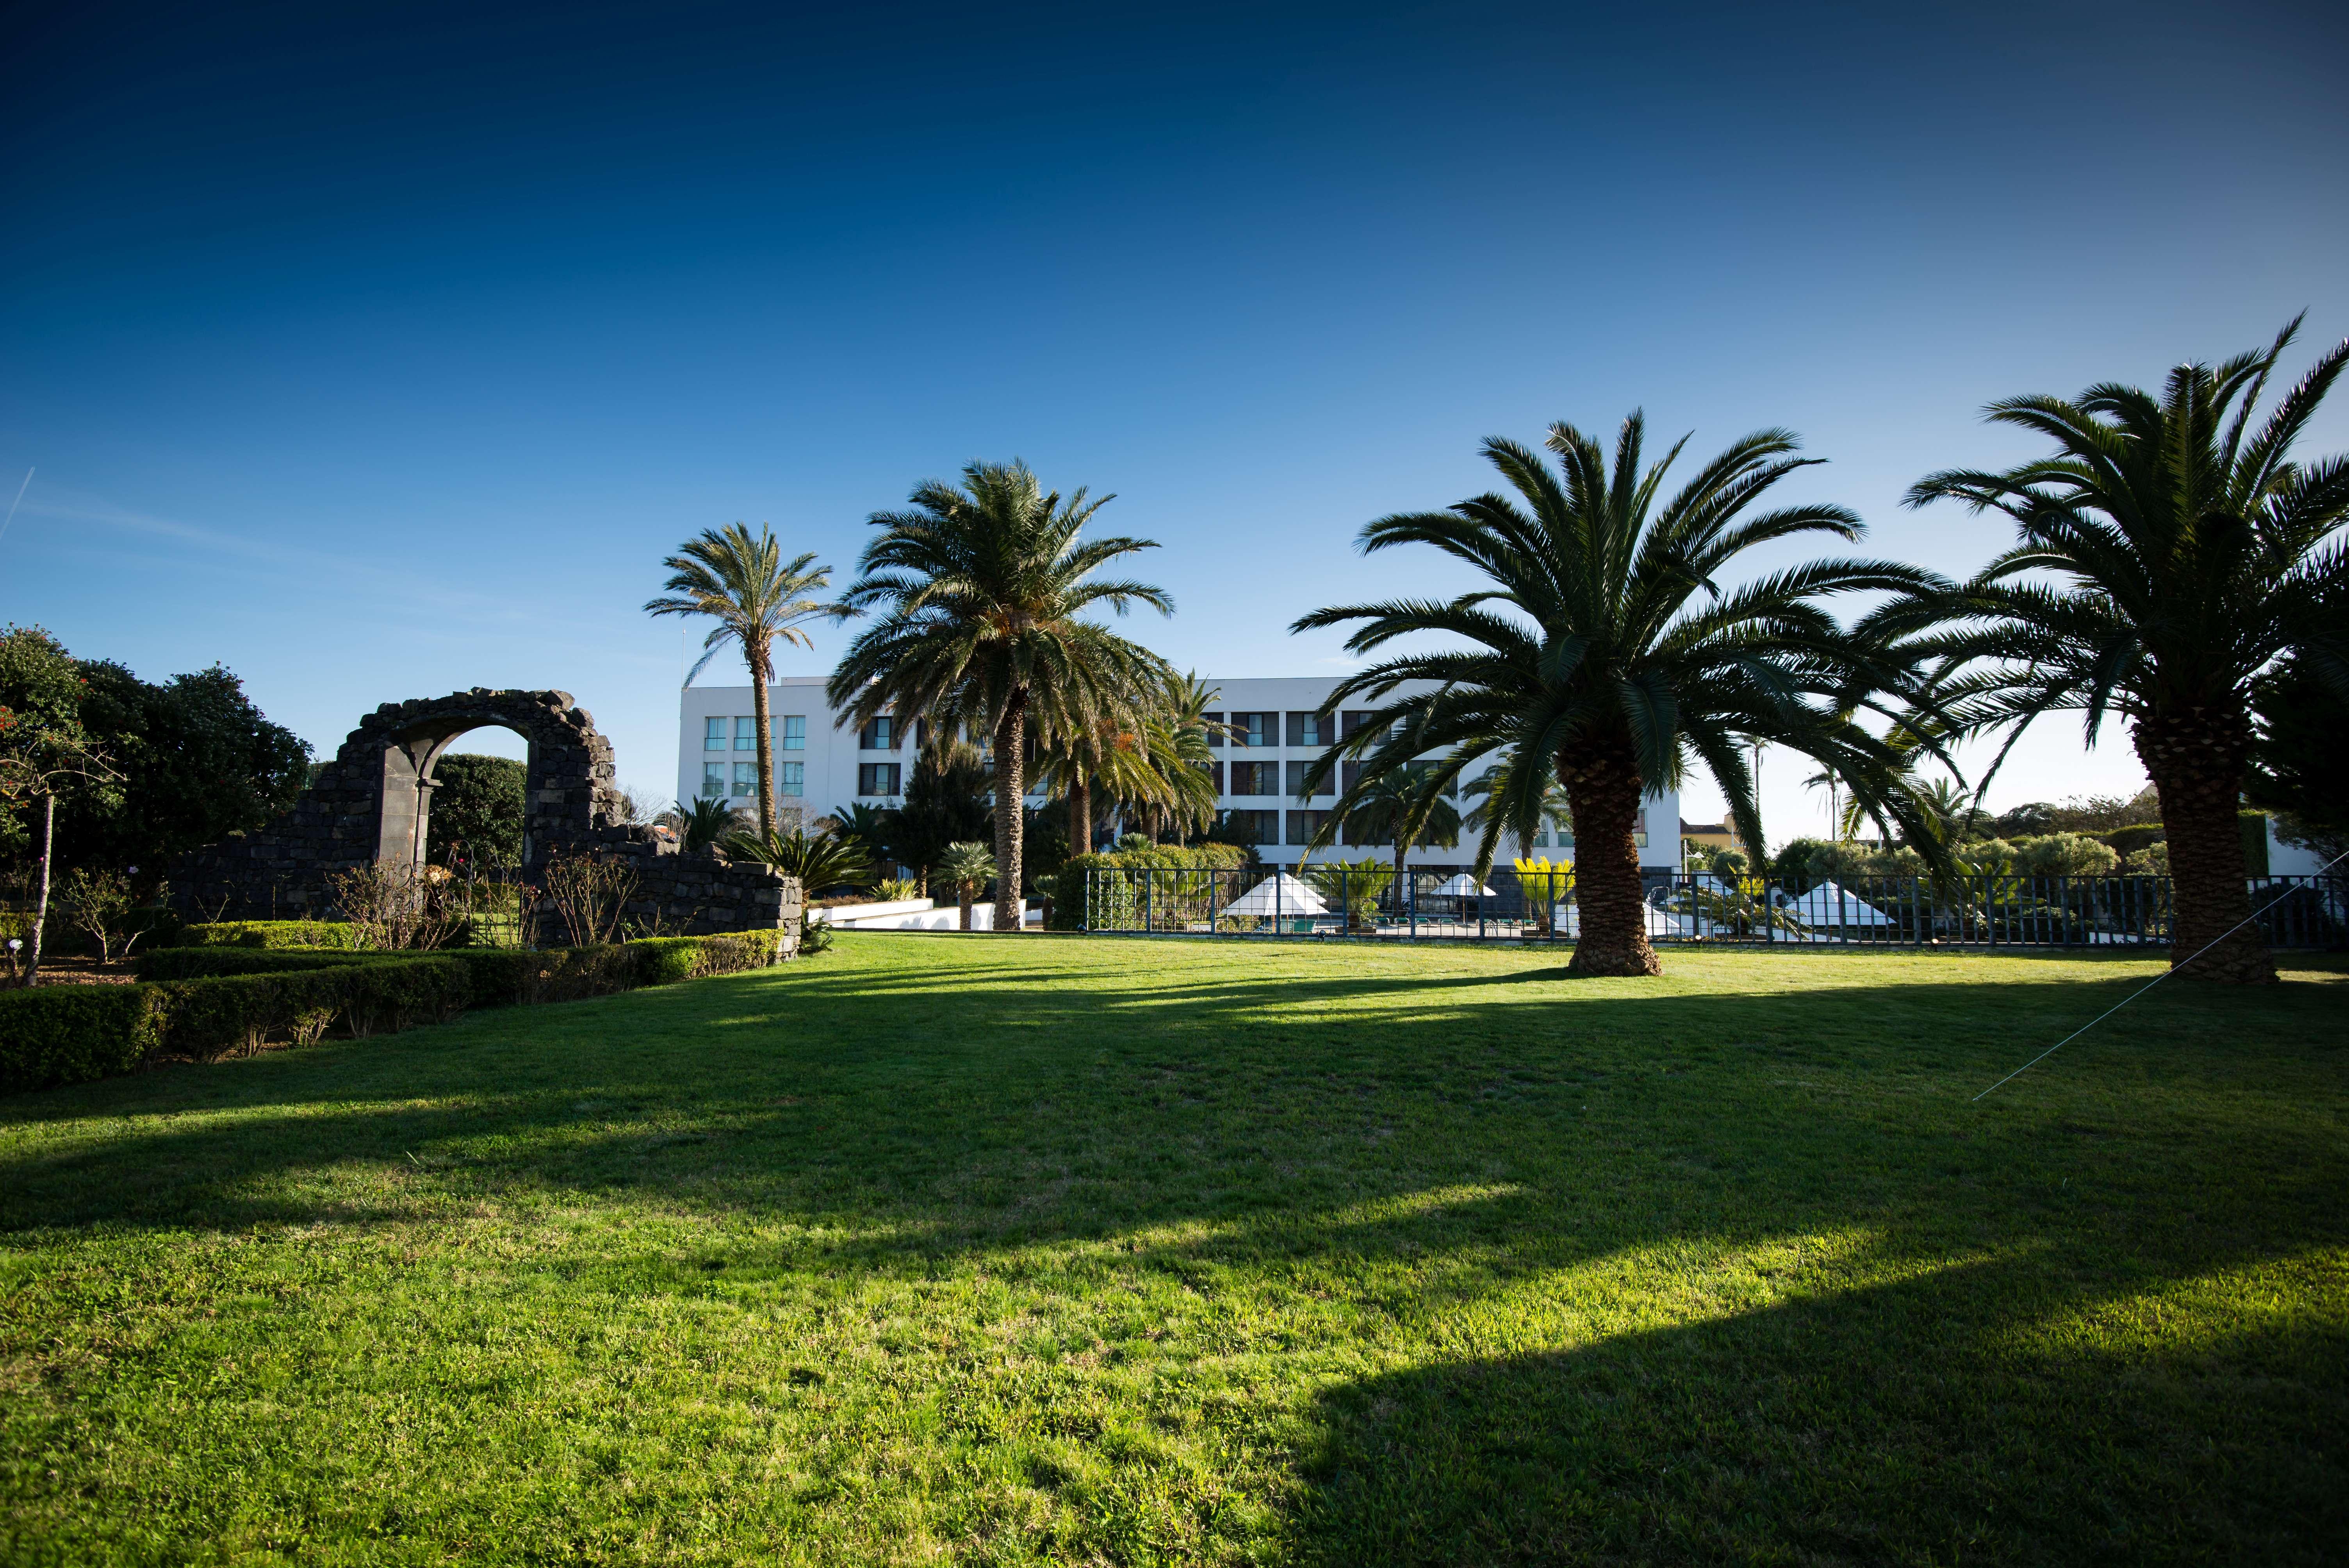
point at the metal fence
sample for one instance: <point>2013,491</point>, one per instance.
<point>1993,910</point>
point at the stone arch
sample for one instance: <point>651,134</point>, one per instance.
<point>372,804</point>
<point>568,793</point>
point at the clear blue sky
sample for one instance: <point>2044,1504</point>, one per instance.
<point>383,354</point>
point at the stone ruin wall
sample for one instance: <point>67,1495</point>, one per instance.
<point>371,804</point>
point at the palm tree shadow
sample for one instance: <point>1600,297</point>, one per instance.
<point>1902,1422</point>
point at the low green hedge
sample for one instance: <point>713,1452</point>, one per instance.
<point>71,1034</point>
<point>205,1002</point>
<point>270,934</point>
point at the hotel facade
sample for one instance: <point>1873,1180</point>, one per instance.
<point>1276,732</point>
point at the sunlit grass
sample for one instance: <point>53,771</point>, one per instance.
<point>1012,1250</point>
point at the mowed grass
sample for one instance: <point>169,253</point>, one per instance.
<point>1004,1250</point>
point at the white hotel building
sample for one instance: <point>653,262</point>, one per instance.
<point>821,767</point>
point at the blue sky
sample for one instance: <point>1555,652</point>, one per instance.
<point>386,354</point>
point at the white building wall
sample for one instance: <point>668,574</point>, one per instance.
<point>830,758</point>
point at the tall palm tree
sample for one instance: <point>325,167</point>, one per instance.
<point>758,599</point>
<point>2167,553</point>
<point>1625,658</point>
<point>985,584</point>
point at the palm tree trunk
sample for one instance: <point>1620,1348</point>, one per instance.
<point>2195,760</point>
<point>1080,814</point>
<point>762,663</point>
<point>1011,801</point>
<point>1602,795</point>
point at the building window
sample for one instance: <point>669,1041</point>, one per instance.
<point>746,780</point>
<point>876,778</point>
<point>878,735</point>
<point>1255,729</point>
<point>1214,729</point>
<point>1215,771</point>
<point>791,779</point>
<point>713,734</point>
<point>794,733</point>
<point>1255,827</point>
<point>1256,778</point>
<point>1297,772</point>
<point>1303,825</point>
<point>713,779</point>
<point>1353,721</point>
<point>1308,729</point>
<point>1360,836</point>
<point>1352,774</point>
<point>746,733</point>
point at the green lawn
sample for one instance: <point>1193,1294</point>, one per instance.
<point>1001,1250</point>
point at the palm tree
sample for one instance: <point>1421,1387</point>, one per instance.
<point>702,821</point>
<point>970,867</point>
<point>819,861</point>
<point>756,597</point>
<point>985,585</point>
<point>1391,809</point>
<point>1629,660</point>
<point>2167,554</point>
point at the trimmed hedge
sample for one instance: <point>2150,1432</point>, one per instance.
<point>270,934</point>
<point>1069,908</point>
<point>203,1003</point>
<point>71,1034</point>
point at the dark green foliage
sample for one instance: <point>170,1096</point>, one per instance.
<point>204,1002</point>
<point>819,861</point>
<point>199,762</point>
<point>1791,866</point>
<point>945,803</point>
<point>190,963</point>
<point>2299,761</point>
<point>42,690</point>
<point>270,934</point>
<point>67,1033</point>
<point>701,821</point>
<point>477,811</point>
<point>1069,906</point>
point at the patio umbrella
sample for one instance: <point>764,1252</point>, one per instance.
<point>1463,886</point>
<point>1294,898</point>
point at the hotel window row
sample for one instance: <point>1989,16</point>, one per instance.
<point>790,781</point>
<point>791,733</point>
<point>1250,731</point>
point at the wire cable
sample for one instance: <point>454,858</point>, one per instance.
<point>2151,983</point>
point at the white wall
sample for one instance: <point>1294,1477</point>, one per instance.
<point>831,755</point>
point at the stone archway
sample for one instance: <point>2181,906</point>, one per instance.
<point>372,803</point>
<point>568,794</point>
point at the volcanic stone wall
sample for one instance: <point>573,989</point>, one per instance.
<point>372,804</point>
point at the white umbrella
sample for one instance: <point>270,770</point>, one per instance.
<point>1463,886</point>
<point>1277,895</point>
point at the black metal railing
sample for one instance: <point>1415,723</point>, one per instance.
<point>1999,909</point>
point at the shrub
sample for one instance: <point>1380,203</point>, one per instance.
<point>2065,855</point>
<point>71,1034</point>
<point>205,963</point>
<point>1116,903</point>
<point>270,934</point>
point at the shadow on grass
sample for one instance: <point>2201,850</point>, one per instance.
<point>1993,1412</point>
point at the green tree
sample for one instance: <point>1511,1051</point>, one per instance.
<point>968,867</point>
<point>1393,808</point>
<point>477,811</point>
<point>946,802</point>
<point>757,599</point>
<point>199,761</point>
<point>2301,757</point>
<point>985,586</point>
<point>46,759</point>
<point>2168,552</point>
<point>1625,659</point>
